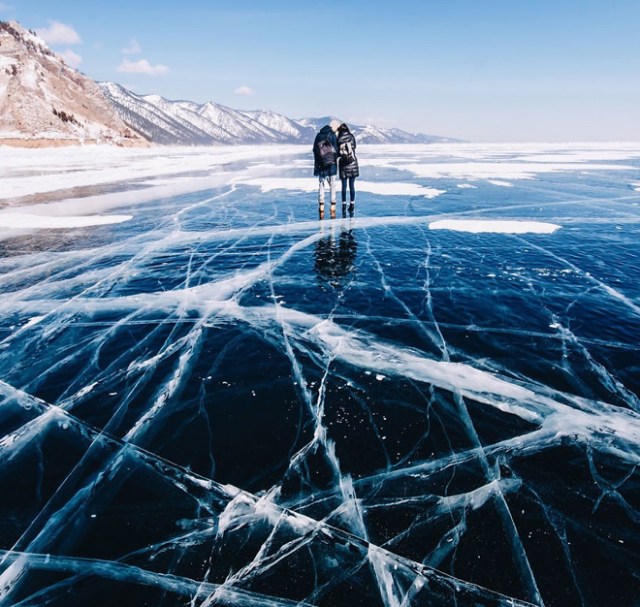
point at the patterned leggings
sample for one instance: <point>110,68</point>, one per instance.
<point>332,189</point>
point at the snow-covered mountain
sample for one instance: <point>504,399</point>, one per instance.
<point>43,101</point>
<point>375,134</point>
<point>188,123</point>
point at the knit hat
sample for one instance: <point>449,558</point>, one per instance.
<point>335,125</point>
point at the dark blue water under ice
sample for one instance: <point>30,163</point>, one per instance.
<point>229,401</point>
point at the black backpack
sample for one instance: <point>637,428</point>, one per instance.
<point>325,153</point>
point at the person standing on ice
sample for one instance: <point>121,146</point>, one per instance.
<point>325,165</point>
<point>349,168</point>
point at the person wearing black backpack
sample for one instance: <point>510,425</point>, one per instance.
<point>325,165</point>
<point>349,168</point>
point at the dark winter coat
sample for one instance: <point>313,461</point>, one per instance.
<point>351,169</point>
<point>326,132</point>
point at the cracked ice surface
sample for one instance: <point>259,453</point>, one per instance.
<point>210,396</point>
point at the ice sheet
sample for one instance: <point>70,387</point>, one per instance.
<point>230,398</point>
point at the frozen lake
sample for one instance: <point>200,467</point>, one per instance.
<point>209,395</point>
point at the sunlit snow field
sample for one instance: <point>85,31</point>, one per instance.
<point>212,395</point>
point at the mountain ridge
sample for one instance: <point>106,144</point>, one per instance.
<point>181,122</point>
<point>43,101</point>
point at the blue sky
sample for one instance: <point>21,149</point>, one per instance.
<point>480,70</point>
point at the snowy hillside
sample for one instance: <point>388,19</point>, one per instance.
<point>187,123</point>
<point>42,99</point>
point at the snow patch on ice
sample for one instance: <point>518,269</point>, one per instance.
<point>269,184</point>
<point>398,189</point>
<point>21,221</point>
<point>494,226</point>
<point>31,171</point>
<point>33,321</point>
<point>311,184</point>
<point>497,170</point>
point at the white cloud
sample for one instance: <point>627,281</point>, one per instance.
<point>133,48</point>
<point>59,33</point>
<point>244,90</point>
<point>142,67</point>
<point>70,58</point>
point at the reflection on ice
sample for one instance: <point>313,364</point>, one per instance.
<point>335,255</point>
<point>227,400</point>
